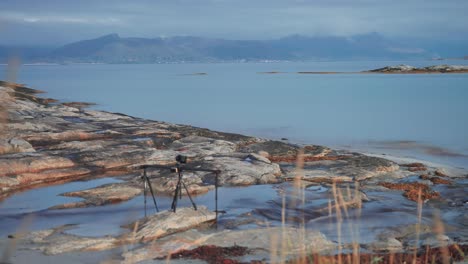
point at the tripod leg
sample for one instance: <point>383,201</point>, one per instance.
<point>152,194</point>
<point>180,189</point>
<point>190,197</point>
<point>176,192</point>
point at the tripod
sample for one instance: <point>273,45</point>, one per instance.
<point>180,185</point>
<point>147,185</point>
<point>178,190</point>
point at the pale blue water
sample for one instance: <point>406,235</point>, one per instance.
<point>346,110</point>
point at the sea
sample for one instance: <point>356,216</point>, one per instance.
<point>422,116</point>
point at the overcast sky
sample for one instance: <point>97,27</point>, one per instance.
<point>54,22</point>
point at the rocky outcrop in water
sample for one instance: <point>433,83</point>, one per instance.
<point>402,68</point>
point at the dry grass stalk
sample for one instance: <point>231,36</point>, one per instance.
<point>274,247</point>
<point>20,232</point>
<point>283,228</point>
<point>418,226</point>
<point>439,230</point>
<point>339,220</point>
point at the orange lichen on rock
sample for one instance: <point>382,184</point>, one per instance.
<point>412,190</point>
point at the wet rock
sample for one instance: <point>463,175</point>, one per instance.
<point>273,148</point>
<point>258,157</point>
<point>435,180</point>
<point>166,246</point>
<point>51,175</point>
<point>415,166</point>
<point>69,243</point>
<point>15,145</point>
<point>50,138</point>
<point>283,152</point>
<point>262,238</point>
<point>355,167</point>
<point>323,177</point>
<point>440,173</point>
<point>81,146</point>
<point>106,116</point>
<point>166,223</point>
<point>203,132</point>
<point>269,242</point>
<point>14,164</point>
<point>362,167</point>
<point>102,195</point>
<point>237,171</point>
<point>6,183</point>
<point>434,240</point>
<point>202,146</point>
<point>57,241</point>
<point>389,244</point>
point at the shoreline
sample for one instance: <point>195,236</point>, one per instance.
<point>52,142</point>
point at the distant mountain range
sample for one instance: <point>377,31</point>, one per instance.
<point>115,49</point>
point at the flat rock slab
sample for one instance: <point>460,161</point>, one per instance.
<point>102,195</point>
<point>281,151</point>
<point>56,241</point>
<point>202,146</point>
<point>246,171</point>
<point>352,167</point>
<point>168,222</point>
<point>13,164</point>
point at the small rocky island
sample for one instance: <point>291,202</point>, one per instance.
<point>402,68</point>
<point>323,203</point>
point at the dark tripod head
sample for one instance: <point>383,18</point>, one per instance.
<point>181,159</point>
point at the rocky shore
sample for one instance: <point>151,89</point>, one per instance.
<point>44,142</point>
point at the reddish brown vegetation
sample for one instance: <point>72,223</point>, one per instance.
<point>412,190</point>
<point>426,255</point>
<point>435,180</point>
<point>213,254</point>
<point>291,159</point>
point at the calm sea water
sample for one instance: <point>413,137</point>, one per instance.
<point>369,112</point>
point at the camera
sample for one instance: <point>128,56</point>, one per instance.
<point>181,159</point>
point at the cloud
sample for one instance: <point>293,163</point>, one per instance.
<point>237,19</point>
<point>53,18</point>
